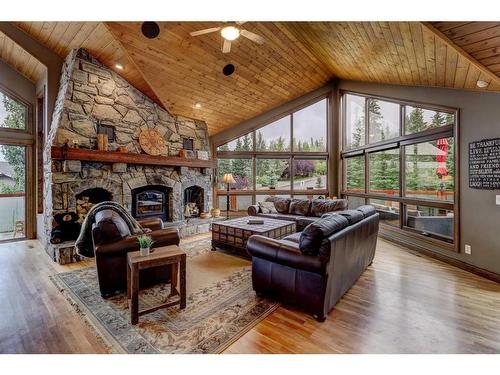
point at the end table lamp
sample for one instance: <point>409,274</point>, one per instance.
<point>228,179</point>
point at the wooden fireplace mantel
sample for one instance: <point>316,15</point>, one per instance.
<point>60,153</point>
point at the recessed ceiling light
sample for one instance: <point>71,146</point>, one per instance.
<point>119,66</point>
<point>230,33</point>
<point>228,69</point>
<point>197,105</point>
<point>150,29</point>
<point>482,84</point>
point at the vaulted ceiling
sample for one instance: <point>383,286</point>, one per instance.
<point>178,70</point>
<point>19,59</point>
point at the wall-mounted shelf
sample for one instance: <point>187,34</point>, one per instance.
<point>60,153</point>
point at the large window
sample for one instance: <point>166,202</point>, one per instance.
<point>309,130</point>
<point>12,113</point>
<point>401,159</point>
<point>287,157</point>
<point>275,136</point>
<point>15,199</point>
<point>354,115</point>
<point>240,168</point>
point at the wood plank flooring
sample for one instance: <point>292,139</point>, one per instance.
<point>404,303</point>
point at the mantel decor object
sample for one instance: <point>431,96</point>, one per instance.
<point>102,142</point>
<point>152,143</point>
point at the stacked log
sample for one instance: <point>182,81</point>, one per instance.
<point>83,206</point>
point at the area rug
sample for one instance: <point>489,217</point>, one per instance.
<point>221,307</point>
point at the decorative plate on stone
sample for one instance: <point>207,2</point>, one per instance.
<point>152,142</point>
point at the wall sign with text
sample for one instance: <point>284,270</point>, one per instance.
<point>484,164</point>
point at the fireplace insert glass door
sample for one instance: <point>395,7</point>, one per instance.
<point>150,202</point>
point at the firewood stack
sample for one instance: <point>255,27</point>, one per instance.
<point>83,206</point>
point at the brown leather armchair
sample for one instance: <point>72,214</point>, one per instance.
<point>111,246</point>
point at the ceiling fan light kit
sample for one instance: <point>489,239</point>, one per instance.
<point>230,33</point>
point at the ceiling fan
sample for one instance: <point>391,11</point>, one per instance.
<point>229,33</point>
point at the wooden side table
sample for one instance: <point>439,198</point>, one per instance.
<point>161,256</point>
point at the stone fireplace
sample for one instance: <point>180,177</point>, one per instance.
<point>92,96</point>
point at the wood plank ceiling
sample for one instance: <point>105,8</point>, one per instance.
<point>479,39</point>
<point>179,71</point>
<point>20,60</point>
<point>265,76</point>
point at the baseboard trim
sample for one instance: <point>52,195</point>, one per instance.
<point>443,258</point>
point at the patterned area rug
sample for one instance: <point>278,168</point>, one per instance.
<point>221,307</point>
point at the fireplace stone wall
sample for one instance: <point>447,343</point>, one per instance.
<point>91,94</point>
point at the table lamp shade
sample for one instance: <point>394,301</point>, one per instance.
<point>228,179</point>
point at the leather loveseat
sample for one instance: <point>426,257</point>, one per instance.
<point>302,211</point>
<point>313,269</point>
<point>112,241</point>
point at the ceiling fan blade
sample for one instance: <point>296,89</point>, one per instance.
<point>205,31</point>
<point>253,37</point>
<point>226,46</point>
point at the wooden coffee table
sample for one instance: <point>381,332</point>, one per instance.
<point>233,234</point>
<point>161,256</point>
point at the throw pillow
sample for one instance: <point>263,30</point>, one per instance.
<point>267,208</point>
<point>300,207</point>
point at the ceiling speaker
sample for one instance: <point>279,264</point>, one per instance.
<point>228,69</point>
<point>150,29</point>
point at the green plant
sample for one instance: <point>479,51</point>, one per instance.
<point>145,241</point>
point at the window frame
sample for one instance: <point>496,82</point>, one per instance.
<point>23,138</point>
<point>401,143</point>
<point>289,155</point>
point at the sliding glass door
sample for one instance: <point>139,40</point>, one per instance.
<point>12,192</point>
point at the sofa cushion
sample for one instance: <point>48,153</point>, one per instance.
<point>267,208</point>
<point>314,234</point>
<point>293,237</point>
<point>300,207</point>
<point>282,205</point>
<point>352,216</point>
<point>367,210</point>
<point>321,206</point>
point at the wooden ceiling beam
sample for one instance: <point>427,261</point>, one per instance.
<point>449,43</point>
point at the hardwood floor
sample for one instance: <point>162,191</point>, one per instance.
<point>404,303</point>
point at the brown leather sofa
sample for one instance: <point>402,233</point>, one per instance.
<point>111,245</point>
<point>302,211</point>
<point>313,269</point>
